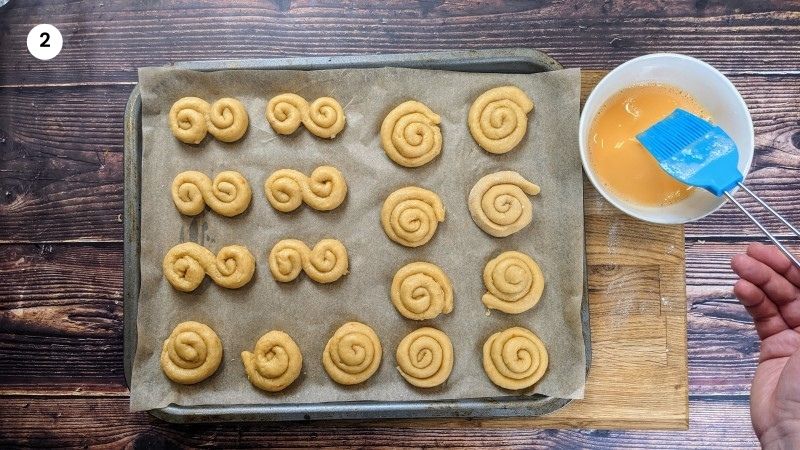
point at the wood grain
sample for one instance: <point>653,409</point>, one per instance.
<point>61,318</point>
<point>61,175</point>
<point>61,163</point>
<point>106,42</point>
<point>61,160</point>
<point>775,172</point>
<point>83,313</point>
<point>637,307</point>
<point>638,336</point>
<point>106,422</point>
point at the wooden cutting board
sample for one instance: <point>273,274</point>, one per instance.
<point>637,306</point>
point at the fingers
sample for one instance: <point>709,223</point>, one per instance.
<point>775,259</point>
<point>777,287</point>
<point>765,314</point>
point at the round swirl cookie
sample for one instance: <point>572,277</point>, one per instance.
<point>353,354</point>
<point>191,353</point>
<point>425,357</point>
<point>515,358</point>
<point>410,134</point>
<point>275,362</point>
<point>410,215</point>
<point>227,120</point>
<point>514,283</point>
<point>284,189</point>
<point>498,119</point>
<point>324,117</point>
<point>187,119</point>
<point>285,112</point>
<point>421,291</point>
<point>499,205</point>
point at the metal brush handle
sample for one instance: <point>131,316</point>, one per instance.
<point>785,250</point>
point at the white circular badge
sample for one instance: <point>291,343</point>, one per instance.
<point>44,41</point>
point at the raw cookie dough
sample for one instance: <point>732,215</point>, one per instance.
<point>275,363</point>
<point>325,263</point>
<point>515,358</point>
<point>421,291</point>
<point>499,205</point>
<point>425,357</point>
<point>191,353</point>
<point>324,117</point>
<point>227,120</point>
<point>187,119</point>
<point>185,265</point>
<point>498,118</point>
<point>410,134</point>
<point>324,190</point>
<point>229,194</point>
<point>285,112</point>
<point>410,215</point>
<point>352,354</point>
<point>514,282</point>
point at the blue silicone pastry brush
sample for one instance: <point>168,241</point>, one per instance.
<point>699,153</point>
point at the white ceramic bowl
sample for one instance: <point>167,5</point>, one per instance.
<point>710,88</point>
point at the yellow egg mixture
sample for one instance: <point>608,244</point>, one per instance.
<point>619,160</point>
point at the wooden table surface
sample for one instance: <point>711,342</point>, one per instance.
<point>61,380</point>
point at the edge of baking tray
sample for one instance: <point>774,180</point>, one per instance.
<point>513,60</point>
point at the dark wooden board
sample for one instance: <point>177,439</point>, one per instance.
<point>61,161</point>
<point>106,41</point>
<point>61,324</point>
<point>92,421</point>
<point>61,318</point>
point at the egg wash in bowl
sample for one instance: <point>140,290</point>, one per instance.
<point>619,161</point>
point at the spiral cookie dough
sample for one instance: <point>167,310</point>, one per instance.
<point>514,358</point>
<point>285,112</point>
<point>425,357</point>
<point>410,134</point>
<point>185,265</point>
<point>187,119</point>
<point>352,354</point>
<point>275,363</point>
<point>421,291</point>
<point>410,215</point>
<point>229,194</point>
<point>499,205</point>
<point>514,281</point>
<point>498,118</point>
<point>324,117</point>
<point>324,190</point>
<point>284,189</point>
<point>227,120</point>
<point>191,353</point>
<point>325,263</point>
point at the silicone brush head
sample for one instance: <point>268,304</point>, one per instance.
<point>694,151</point>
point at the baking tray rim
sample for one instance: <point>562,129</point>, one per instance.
<point>509,60</point>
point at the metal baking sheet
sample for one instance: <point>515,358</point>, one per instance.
<point>498,61</point>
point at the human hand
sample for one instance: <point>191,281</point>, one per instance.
<point>770,290</point>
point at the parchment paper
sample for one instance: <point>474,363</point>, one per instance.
<point>310,312</point>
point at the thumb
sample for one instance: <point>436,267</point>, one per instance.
<point>787,392</point>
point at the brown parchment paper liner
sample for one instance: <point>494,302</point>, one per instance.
<point>310,312</point>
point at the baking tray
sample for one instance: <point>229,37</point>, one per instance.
<point>515,60</point>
